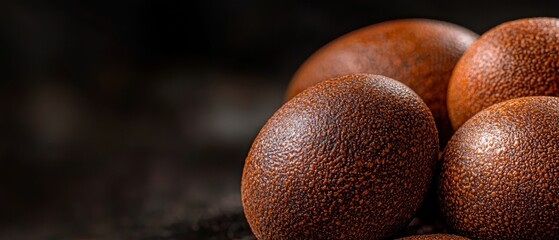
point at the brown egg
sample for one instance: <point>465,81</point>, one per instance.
<point>420,53</point>
<point>500,172</point>
<point>349,158</point>
<point>515,59</point>
<point>435,237</point>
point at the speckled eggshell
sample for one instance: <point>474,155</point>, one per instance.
<point>349,158</point>
<point>500,172</point>
<point>421,53</point>
<point>515,59</point>
<point>435,237</point>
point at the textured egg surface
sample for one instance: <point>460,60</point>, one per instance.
<point>500,172</point>
<point>515,59</point>
<point>349,158</point>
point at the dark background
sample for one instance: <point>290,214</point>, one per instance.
<point>131,119</point>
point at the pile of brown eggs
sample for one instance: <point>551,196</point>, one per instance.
<point>353,151</point>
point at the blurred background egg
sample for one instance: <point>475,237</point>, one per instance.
<point>421,53</point>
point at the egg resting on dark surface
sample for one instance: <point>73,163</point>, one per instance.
<point>420,53</point>
<point>349,158</point>
<point>500,172</point>
<point>439,236</point>
<point>515,59</point>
